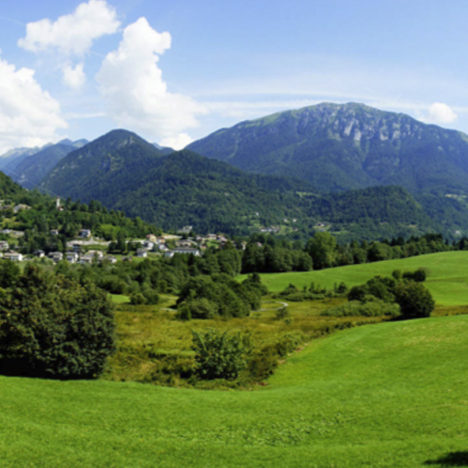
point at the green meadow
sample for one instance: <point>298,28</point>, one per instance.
<point>387,395</point>
<point>447,275</point>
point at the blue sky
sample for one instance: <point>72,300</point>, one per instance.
<point>176,71</point>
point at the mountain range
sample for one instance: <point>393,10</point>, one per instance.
<point>348,168</point>
<point>345,146</point>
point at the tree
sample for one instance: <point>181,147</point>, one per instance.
<point>52,326</point>
<point>322,249</point>
<point>414,299</point>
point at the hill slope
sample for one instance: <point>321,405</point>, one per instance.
<point>384,395</point>
<point>339,147</point>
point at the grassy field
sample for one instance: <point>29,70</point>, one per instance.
<point>387,395</point>
<point>447,275</point>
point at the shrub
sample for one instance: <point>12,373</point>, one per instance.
<point>52,326</point>
<point>263,363</point>
<point>419,275</point>
<point>220,355</point>
<point>197,308</point>
<point>137,298</point>
<point>371,308</point>
<point>414,299</point>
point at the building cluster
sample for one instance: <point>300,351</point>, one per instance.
<point>166,245</point>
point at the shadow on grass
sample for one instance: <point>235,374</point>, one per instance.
<point>451,459</point>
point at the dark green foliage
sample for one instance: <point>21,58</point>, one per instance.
<point>419,275</point>
<point>414,299</point>
<point>220,355</point>
<point>371,308</point>
<point>52,326</point>
<point>263,363</point>
<point>224,296</point>
<point>197,308</point>
<point>9,273</point>
<point>322,249</point>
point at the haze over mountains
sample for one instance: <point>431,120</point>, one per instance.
<point>407,177</point>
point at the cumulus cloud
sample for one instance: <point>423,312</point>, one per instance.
<point>441,113</point>
<point>136,95</point>
<point>71,34</point>
<point>74,77</point>
<point>29,116</point>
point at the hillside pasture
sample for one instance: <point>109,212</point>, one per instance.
<point>384,395</point>
<point>447,275</point>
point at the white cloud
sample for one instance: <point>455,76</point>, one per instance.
<point>29,116</point>
<point>177,142</point>
<point>71,34</point>
<point>440,113</point>
<point>136,95</point>
<point>74,77</point>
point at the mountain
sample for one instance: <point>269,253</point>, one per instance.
<point>345,146</point>
<point>102,169</point>
<point>124,172</point>
<point>29,171</point>
<point>13,157</point>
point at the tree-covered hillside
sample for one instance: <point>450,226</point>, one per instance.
<point>124,172</point>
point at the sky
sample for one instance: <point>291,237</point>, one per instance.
<point>175,71</point>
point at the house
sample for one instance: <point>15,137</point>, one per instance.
<point>76,248</point>
<point>4,245</point>
<point>186,251</point>
<point>13,256</point>
<point>20,207</point>
<point>148,245</point>
<point>142,253</point>
<point>184,243</point>
<point>151,238</point>
<point>39,253</point>
<point>54,232</point>
<point>185,230</point>
<point>84,233</point>
<point>71,257</point>
<point>56,256</point>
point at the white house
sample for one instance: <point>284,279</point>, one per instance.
<point>13,256</point>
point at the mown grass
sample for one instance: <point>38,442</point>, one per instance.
<point>447,275</point>
<point>385,395</point>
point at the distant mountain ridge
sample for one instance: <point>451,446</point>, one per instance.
<point>345,146</point>
<point>29,171</point>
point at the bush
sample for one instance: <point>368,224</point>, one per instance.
<point>419,275</point>
<point>372,308</point>
<point>220,355</point>
<point>52,326</point>
<point>137,298</point>
<point>197,309</point>
<point>263,363</point>
<point>414,299</point>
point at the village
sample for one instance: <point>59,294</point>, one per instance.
<point>87,248</point>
